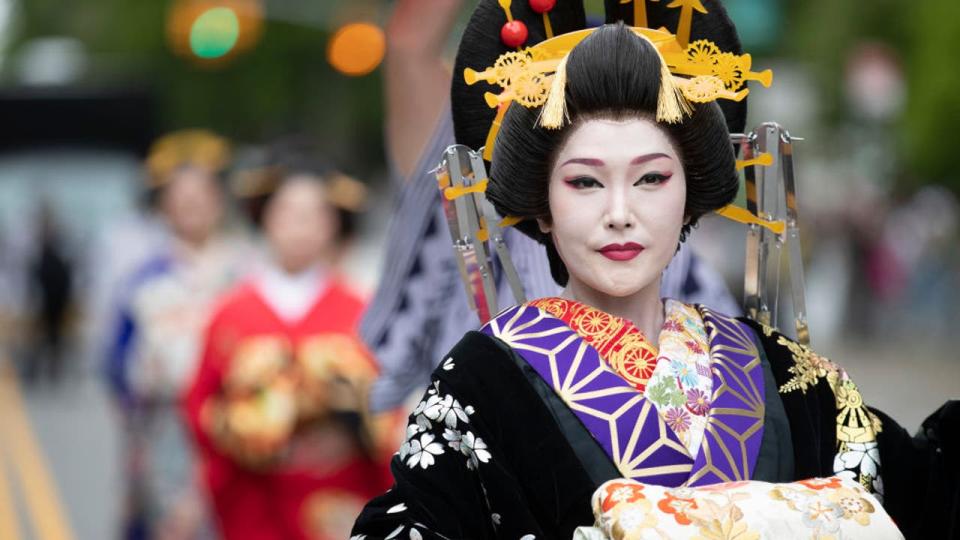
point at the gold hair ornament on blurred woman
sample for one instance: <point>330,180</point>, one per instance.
<point>191,148</point>
<point>343,191</point>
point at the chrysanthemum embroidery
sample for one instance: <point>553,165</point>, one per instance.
<point>672,325</point>
<point>678,420</point>
<point>808,367</point>
<point>685,373</point>
<point>694,347</point>
<point>697,401</point>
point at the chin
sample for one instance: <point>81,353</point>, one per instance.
<point>620,288</point>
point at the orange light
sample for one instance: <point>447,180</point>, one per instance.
<point>356,49</point>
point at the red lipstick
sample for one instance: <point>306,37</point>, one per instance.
<point>621,252</point>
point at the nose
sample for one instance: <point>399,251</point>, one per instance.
<point>618,215</point>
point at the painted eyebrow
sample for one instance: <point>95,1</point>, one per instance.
<point>648,157</point>
<point>593,162</point>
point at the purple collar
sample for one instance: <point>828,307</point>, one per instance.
<point>625,424</point>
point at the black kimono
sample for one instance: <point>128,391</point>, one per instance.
<point>526,418</point>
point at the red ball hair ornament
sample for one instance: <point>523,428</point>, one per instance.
<point>514,33</point>
<point>542,6</point>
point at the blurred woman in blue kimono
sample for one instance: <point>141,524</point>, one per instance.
<point>162,312</point>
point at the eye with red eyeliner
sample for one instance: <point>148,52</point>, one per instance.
<point>587,182</point>
<point>653,178</point>
<point>582,182</point>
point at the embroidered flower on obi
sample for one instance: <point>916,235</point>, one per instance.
<point>823,517</point>
<point>678,507</point>
<point>821,483</point>
<point>855,506</point>
<point>825,509</point>
<point>616,492</point>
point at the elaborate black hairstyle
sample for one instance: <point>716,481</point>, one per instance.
<point>613,73</point>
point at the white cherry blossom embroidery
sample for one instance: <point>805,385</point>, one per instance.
<point>412,431</point>
<point>447,410</point>
<point>475,449</point>
<point>448,364</point>
<point>423,450</point>
<point>453,438</point>
<point>861,463</point>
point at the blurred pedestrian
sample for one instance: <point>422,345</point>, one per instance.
<point>51,273</point>
<point>163,309</point>
<point>278,403</point>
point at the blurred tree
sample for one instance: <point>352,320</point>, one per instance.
<point>283,85</point>
<point>933,86</point>
<point>926,35</point>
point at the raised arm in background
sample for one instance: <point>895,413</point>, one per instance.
<point>416,77</point>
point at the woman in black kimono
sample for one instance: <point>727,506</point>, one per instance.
<point>609,168</point>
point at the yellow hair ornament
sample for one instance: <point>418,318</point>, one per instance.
<point>554,112</point>
<point>672,106</point>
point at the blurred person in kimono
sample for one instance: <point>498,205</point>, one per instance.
<point>278,404</point>
<point>163,308</point>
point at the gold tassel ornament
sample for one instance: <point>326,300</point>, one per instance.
<point>554,112</point>
<point>672,106</point>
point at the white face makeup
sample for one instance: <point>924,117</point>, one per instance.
<point>617,194</point>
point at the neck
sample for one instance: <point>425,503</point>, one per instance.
<point>191,246</point>
<point>643,308</point>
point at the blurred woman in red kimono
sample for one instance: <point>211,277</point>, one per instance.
<point>277,406</point>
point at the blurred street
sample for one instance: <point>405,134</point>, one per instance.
<point>74,426</point>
